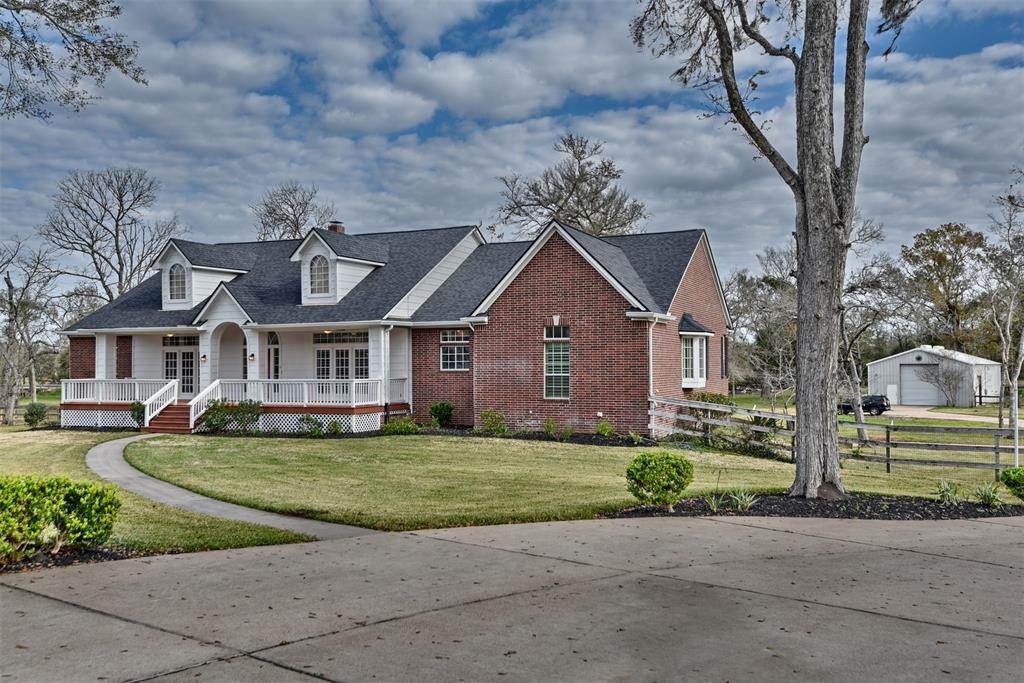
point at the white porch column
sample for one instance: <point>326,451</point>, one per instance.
<point>255,348</point>
<point>378,359</point>
<point>106,356</point>
<point>206,367</point>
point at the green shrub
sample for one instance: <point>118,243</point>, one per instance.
<point>441,413</point>
<point>217,416</point>
<point>245,414</point>
<point>35,414</point>
<point>404,425</point>
<point>604,428</point>
<point>658,477</point>
<point>311,426</point>
<point>139,413</point>
<point>765,423</point>
<point>551,428</point>
<point>715,501</point>
<point>1013,479</point>
<point>51,513</point>
<point>334,427</point>
<point>493,422</point>
<point>988,494</point>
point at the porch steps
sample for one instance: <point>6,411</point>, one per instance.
<point>172,420</point>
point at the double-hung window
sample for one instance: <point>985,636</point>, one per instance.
<point>694,361</point>
<point>454,350</point>
<point>556,361</point>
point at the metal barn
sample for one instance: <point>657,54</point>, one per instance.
<point>907,378</point>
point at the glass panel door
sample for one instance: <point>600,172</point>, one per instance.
<point>187,385</point>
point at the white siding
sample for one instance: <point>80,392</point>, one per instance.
<point>349,275</point>
<point>147,357</point>
<point>436,277</point>
<point>205,281</point>
<point>221,309</point>
<point>297,355</point>
<point>376,349</point>
<point>315,247</point>
<point>172,257</point>
<point>230,353</point>
<point>106,356</point>
<point>400,352</point>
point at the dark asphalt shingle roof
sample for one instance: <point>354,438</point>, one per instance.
<point>688,324</point>
<point>472,281</point>
<point>649,265</point>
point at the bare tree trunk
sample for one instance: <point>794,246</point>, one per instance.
<point>855,397</point>
<point>1015,421</point>
<point>33,386</point>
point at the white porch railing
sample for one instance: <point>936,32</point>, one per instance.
<point>198,405</point>
<point>398,390</point>
<point>302,392</point>
<point>160,400</point>
<point>108,390</point>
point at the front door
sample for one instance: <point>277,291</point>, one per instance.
<point>180,364</point>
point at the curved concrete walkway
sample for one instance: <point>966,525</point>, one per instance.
<point>107,460</point>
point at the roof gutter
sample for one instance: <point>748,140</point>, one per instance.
<point>91,332</point>
<point>648,315</point>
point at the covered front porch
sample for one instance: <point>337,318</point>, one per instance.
<point>292,371</point>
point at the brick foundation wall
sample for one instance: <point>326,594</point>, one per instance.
<point>82,357</point>
<point>123,368</point>
<point>430,383</point>
<point>608,352</point>
<point>698,296</point>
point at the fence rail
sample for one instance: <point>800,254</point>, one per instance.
<point>894,443</point>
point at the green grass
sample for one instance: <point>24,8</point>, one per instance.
<point>985,411</point>
<point>412,482</point>
<point>142,524</point>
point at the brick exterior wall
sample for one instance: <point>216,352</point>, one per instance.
<point>430,383</point>
<point>82,357</point>
<point>608,352</point>
<point>123,368</point>
<point>698,296</point>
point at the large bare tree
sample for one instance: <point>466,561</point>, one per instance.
<point>49,46</point>
<point>581,190</point>
<point>289,210</point>
<point>706,36</point>
<point>1005,295</point>
<point>103,219</point>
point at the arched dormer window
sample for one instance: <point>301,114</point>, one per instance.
<point>176,283</point>
<point>319,276</point>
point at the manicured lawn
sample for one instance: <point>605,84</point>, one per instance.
<point>985,410</point>
<point>410,482</point>
<point>142,524</point>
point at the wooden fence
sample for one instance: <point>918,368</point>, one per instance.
<point>902,444</point>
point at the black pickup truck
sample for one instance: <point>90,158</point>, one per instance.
<point>875,405</point>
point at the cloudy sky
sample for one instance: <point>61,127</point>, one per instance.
<point>404,113</point>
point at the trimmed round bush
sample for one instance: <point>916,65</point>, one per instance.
<point>659,477</point>
<point>35,414</point>
<point>50,513</point>
<point>405,425</point>
<point>441,413</point>
<point>1013,479</point>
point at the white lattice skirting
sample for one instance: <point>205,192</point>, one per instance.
<point>97,418</point>
<point>291,422</point>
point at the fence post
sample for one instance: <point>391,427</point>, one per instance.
<point>888,448</point>
<point>998,437</point>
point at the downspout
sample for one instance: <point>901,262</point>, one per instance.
<point>385,362</point>
<point>650,358</point>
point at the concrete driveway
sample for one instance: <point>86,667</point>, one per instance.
<point>925,412</point>
<point>655,599</point>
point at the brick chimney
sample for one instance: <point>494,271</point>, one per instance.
<point>336,226</point>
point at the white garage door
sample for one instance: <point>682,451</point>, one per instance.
<point>914,391</point>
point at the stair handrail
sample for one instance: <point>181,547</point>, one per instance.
<point>198,405</point>
<point>167,395</point>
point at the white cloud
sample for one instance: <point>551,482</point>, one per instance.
<point>375,107</point>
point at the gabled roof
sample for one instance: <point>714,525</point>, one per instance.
<point>356,247</point>
<point>942,352</point>
<point>687,325</point>
<point>616,262</point>
<point>238,256</point>
<point>471,282</point>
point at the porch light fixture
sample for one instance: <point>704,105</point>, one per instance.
<point>202,358</point>
<point>252,357</point>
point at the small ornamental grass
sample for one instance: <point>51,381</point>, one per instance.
<point>604,428</point>
<point>659,477</point>
<point>50,513</point>
<point>1013,479</point>
<point>948,492</point>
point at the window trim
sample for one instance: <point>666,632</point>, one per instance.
<point>170,283</point>
<point>699,361</point>
<point>568,369</point>
<point>448,340</point>
<point>314,262</point>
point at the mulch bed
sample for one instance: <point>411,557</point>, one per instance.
<point>585,439</point>
<point>45,561</point>
<point>855,506</point>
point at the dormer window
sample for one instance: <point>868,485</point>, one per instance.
<point>176,283</point>
<point>319,276</point>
